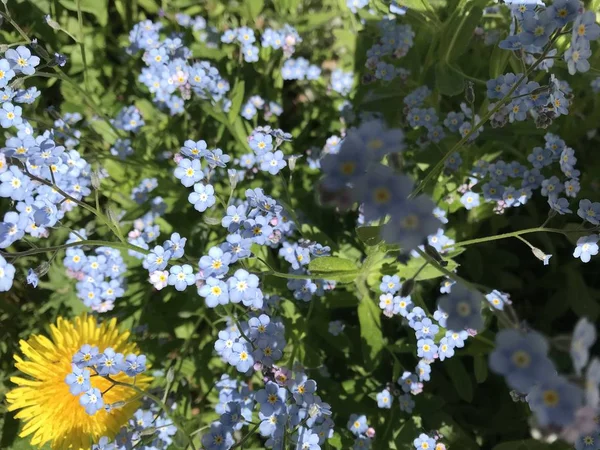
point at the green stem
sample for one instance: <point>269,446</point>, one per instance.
<point>290,208</point>
<point>90,243</point>
<point>388,429</point>
<point>247,436</point>
<point>512,235</point>
<point>239,326</point>
<point>184,350</point>
<point>484,340</point>
<point>82,46</point>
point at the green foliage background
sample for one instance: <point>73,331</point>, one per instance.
<point>470,407</point>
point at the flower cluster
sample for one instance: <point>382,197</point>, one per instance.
<point>256,102</point>
<point>146,423</point>
<point>259,343</point>
<point>288,401</point>
<point>341,81</point>
<point>364,434</point>
<point>252,234</point>
<point>145,230</point>
<point>89,362</point>
<point>425,441</point>
<point>40,171</point>
<point>521,357</point>
<point>353,175</point>
<point>169,71</point>
<point>100,277</point>
<point>536,26</point>
<point>300,69</point>
<point>395,42</point>
<point>458,316</point>
<point>286,39</point>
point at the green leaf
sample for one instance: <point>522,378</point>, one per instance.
<point>396,370</point>
<point>314,233</point>
<point>480,368</point>
<point>406,435</point>
<point>580,297</point>
<point>429,272</point>
<point>460,33</point>
<point>316,20</point>
<point>99,8</point>
<point>498,61</point>
<point>531,444</point>
<point>334,269</point>
<point>422,5</point>
<point>149,5</point>
<point>10,429</point>
<point>448,81</point>
<point>253,8</point>
<point>574,232</point>
<point>460,378</point>
<point>237,97</point>
<point>369,317</point>
<point>370,235</point>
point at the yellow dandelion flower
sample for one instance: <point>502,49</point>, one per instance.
<point>51,414</point>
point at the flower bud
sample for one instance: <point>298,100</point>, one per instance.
<point>52,23</point>
<point>233,178</point>
<point>170,375</point>
<point>95,179</point>
<point>432,251</point>
<point>292,161</point>
<point>42,269</point>
<point>470,92</point>
<point>541,255</point>
<point>148,431</point>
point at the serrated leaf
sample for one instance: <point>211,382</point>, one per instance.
<point>333,268</point>
<point>460,378</point>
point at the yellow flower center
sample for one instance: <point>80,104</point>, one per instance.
<point>521,359</point>
<point>550,398</point>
